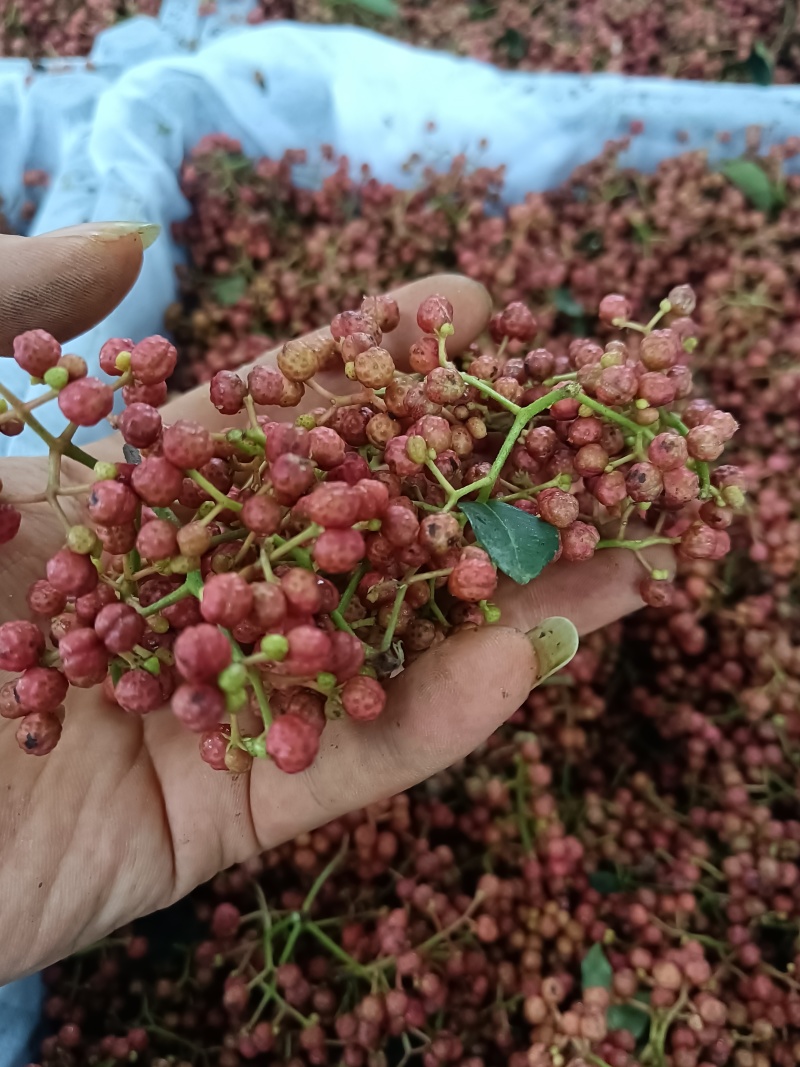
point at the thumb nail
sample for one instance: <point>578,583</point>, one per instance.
<point>110,231</point>
<point>555,642</point>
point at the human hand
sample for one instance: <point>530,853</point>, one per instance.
<point>123,817</point>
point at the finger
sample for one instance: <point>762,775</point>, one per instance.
<point>590,594</point>
<point>438,711</point>
<point>471,311</point>
<point>69,280</point>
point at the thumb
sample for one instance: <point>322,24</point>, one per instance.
<point>439,710</point>
<point>68,280</point>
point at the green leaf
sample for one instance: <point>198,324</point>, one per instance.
<point>751,179</point>
<point>519,544</point>
<point>229,290</point>
<point>385,8</point>
<point>595,969</point>
<point>604,882</point>
<point>628,1017</point>
<point>566,303</point>
<point>515,45</point>
<point>759,65</point>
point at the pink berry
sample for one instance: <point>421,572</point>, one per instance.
<point>86,401</point>
<point>657,389</point>
<point>473,579</point>
<point>157,540</point>
<point>226,600</point>
<point>433,313</point>
<point>269,604</point>
<point>119,627</point>
<point>214,748</point>
<point>657,593</point>
<point>84,658</point>
<point>38,733</point>
<point>616,385</point>
<point>723,423</point>
<point>660,349</point>
<point>262,515</point>
<point>423,355</point>
<point>557,507</point>
<point>680,486</point>
<point>614,306</point>
<point>157,481</point>
<point>201,652</point>
<point>44,599</point>
<point>309,651</point>
<point>88,605</point>
<point>339,551</point>
<point>21,644</point>
<point>41,689</point>
<point>138,692</point>
<point>227,392</point>
<point>153,360</point>
<point>578,542</point>
<point>111,503</point>
<point>704,443</point>
<point>36,351</point>
<point>265,385</point>
<point>668,451</point>
<point>303,590</point>
<point>610,489</point>
<point>298,360</point>
<point>292,475</point>
<point>187,444</point>
<point>347,657</point>
<point>198,707</point>
<point>398,459</point>
<point>334,505</point>
<point>699,542</point>
<point>327,448</point>
<point>644,482</point>
<point>516,322</point>
<point>293,743</point>
<point>363,698</point>
<point>347,323</point>
<point>151,395</point>
<point>109,352</point>
<point>10,520</point>
<point>384,310</point>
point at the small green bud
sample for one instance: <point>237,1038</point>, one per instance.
<point>690,344</point>
<point>105,472</point>
<point>235,701</point>
<point>585,412</point>
<point>3,406</point>
<point>416,449</point>
<point>81,539</point>
<point>305,422</point>
<point>34,380</point>
<point>326,682</point>
<point>660,575</point>
<point>275,646</point>
<point>733,496</point>
<point>491,612</point>
<point>152,665</point>
<point>233,678</point>
<point>123,361</point>
<point>368,672</point>
<point>205,508</point>
<point>165,656</point>
<point>350,371</point>
<point>665,306</point>
<point>234,436</point>
<point>256,746</point>
<point>56,377</point>
<point>447,329</point>
<point>641,404</point>
<point>157,623</point>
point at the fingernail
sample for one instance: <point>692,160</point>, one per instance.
<point>555,642</point>
<point>111,231</point>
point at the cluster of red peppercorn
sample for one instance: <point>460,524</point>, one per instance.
<point>319,555</point>
<point>743,40</point>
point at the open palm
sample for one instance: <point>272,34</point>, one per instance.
<point>124,817</point>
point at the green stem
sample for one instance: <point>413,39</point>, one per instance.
<point>520,422</point>
<point>637,546</point>
<point>350,588</point>
<point>336,950</point>
<point>167,601</point>
<point>436,611</point>
<point>569,377</point>
<point>443,573</point>
<point>324,875</point>
<point>613,416</point>
<point>213,492</point>
<point>440,478</point>
<point>392,624</point>
<point>261,697</point>
<point>287,547</point>
<point>492,394</point>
